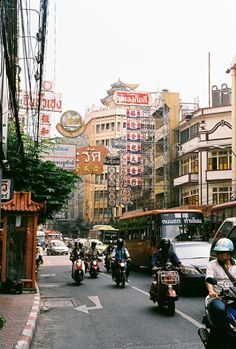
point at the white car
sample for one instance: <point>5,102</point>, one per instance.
<point>57,247</point>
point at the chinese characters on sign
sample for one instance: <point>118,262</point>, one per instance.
<point>89,160</point>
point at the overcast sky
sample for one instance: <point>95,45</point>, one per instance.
<point>157,44</point>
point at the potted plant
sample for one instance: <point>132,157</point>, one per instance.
<point>2,320</point>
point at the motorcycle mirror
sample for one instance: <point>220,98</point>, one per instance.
<point>211,281</point>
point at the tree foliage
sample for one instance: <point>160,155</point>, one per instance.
<point>43,179</point>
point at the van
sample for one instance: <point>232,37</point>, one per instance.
<point>227,229</point>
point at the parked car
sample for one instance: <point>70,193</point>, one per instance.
<point>57,247</point>
<point>194,256</point>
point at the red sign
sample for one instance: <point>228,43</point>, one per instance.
<point>131,98</point>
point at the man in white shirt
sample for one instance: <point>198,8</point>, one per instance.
<point>224,248</point>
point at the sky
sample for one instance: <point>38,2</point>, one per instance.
<point>156,44</point>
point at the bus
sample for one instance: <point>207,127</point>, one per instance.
<point>143,231</point>
<point>104,233</point>
<point>220,212</point>
<point>52,235</point>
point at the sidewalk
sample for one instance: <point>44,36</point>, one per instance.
<point>21,312</point>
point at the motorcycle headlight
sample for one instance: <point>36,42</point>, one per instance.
<point>190,271</point>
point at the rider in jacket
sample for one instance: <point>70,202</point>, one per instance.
<point>164,255</point>
<point>120,252</point>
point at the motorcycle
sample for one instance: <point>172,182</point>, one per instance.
<point>94,267</point>
<point>120,272</point>
<point>210,335</point>
<point>78,271</point>
<point>164,290</point>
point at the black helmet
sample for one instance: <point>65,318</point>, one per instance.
<point>120,243</point>
<point>75,244</point>
<point>93,243</point>
<point>80,244</point>
<point>165,244</point>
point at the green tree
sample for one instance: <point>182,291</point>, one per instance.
<point>43,179</point>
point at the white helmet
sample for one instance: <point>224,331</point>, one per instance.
<point>224,245</point>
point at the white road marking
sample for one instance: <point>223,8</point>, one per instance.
<point>185,316</point>
<point>86,309</point>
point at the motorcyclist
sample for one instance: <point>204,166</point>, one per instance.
<point>120,252</point>
<point>77,252</point>
<point>224,248</point>
<point>164,255</point>
<point>160,259</point>
<point>93,250</point>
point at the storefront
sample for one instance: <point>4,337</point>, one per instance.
<point>18,238</point>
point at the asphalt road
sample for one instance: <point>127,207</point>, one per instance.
<point>97,314</point>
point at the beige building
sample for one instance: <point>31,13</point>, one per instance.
<point>107,123</point>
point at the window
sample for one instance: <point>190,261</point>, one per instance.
<point>194,164</point>
<point>107,126</point>
<point>184,167</point>
<point>118,126</point>
<point>124,124</point>
<point>107,142</point>
<point>194,131</point>
<point>184,136</point>
<point>103,127</point>
<point>219,160</point>
<point>113,126</point>
<point>190,197</point>
<point>221,194</point>
<point>97,128</point>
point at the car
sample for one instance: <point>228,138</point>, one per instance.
<point>194,256</point>
<point>57,247</point>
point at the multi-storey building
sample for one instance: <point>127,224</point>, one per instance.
<point>204,154</point>
<point>157,137</point>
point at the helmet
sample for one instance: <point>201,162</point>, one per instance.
<point>120,243</point>
<point>38,244</point>
<point>80,244</point>
<point>93,243</point>
<point>75,244</point>
<point>165,244</point>
<point>224,245</point>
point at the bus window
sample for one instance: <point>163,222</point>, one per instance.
<point>232,236</point>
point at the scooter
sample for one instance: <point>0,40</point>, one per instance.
<point>94,268</point>
<point>164,290</point>
<point>210,335</point>
<point>78,271</point>
<point>120,272</point>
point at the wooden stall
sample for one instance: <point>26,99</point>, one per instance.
<point>18,238</point>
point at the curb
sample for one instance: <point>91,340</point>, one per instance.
<point>23,342</point>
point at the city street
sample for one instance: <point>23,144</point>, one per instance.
<point>97,314</point>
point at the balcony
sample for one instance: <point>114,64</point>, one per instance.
<point>219,175</point>
<point>188,178</point>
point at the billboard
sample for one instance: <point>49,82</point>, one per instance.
<point>132,98</point>
<point>89,160</point>
<point>63,155</point>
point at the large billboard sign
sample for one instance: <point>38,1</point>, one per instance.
<point>132,98</point>
<point>49,101</point>
<point>89,160</point>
